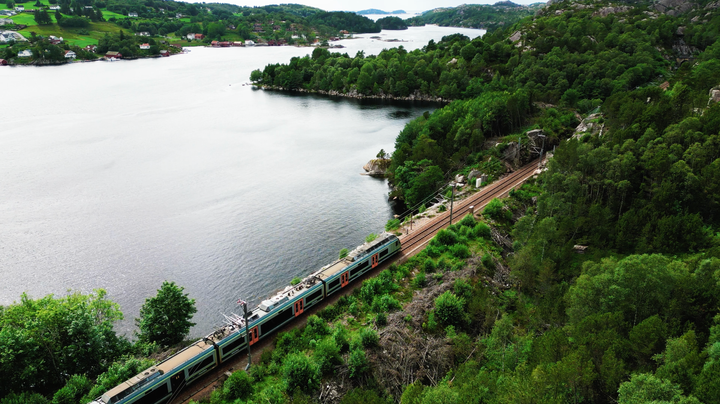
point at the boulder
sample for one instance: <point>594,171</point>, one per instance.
<point>377,167</point>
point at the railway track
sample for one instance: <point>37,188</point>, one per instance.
<point>411,245</point>
<point>414,241</point>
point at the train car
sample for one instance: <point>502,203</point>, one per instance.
<point>163,382</point>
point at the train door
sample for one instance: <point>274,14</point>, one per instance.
<point>299,307</point>
<point>176,381</point>
<point>344,279</point>
<point>254,336</point>
<point>375,259</point>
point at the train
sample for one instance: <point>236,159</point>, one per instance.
<point>162,383</point>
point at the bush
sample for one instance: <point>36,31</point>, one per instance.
<point>384,303</point>
<point>429,266</point>
<point>300,372</point>
<point>494,210</point>
<point>343,253</point>
<point>381,320</point>
<point>450,309</point>
<point>327,355</point>
<point>462,289</point>
<point>482,230</point>
<point>371,237</point>
<point>74,22</point>
<point>361,396</point>
<point>341,338</point>
<point>460,251</point>
<point>445,237</point>
<point>468,221</point>
<point>357,363</point>
<point>295,281</point>
<point>487,261</point>
<point>369,338</point>
<point>316,328</point>
<point>117,373</point>
<point>238,385</point>
<point>392,224</point>
<point>75,388</point>
<point>24,398</point>
<point>420,281</point>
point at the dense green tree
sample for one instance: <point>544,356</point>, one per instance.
<point>165,318</point>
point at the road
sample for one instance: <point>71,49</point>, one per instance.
<point>412,243</point>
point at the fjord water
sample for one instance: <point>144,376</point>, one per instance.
<point>122,175</point>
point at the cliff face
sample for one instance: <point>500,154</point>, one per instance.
<point>377,167</point>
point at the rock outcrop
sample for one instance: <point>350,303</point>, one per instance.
<point>377,167</point>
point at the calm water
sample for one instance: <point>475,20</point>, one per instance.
<point>121,175</point>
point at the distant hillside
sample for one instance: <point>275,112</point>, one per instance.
<point>489,17</point>
<point>380,12</point>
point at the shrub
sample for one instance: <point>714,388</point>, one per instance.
<point>327,355</point>
<point>316,328</point>
<point>482,230</point>
<point>419,281</point>
<point>75,388</point>
<point>392,224</point>
<point>343,253</point>
<point>24,398</point>
<point>494,210</point>
<point>450,309</point>
<point>429,266</point>
<point>434,251</point>
<point>462,289</point>
<point>238,385</point>
<point>117,373</point>
<point>487,261</point>
<point>381,320</point>
<point>358,363</point>
<point>468,221</point>
<point>371,237</point>
<point>300,372</point>
<point>341,338</point>
<point>385,303</point>
<point>377,286</point>
<point>445,237</point>
<point>362,396</point>
<point>369,338</point>
<point>295,281</point>
<point>460,251</point>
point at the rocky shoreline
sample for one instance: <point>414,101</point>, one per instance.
<point>417,96</point>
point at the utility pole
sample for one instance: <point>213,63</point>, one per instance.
<point>452,198</point>
<point>247,332</point>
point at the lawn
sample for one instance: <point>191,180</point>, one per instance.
<point>24,19</point>
<point>71,35</point>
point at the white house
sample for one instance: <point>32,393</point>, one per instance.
<point>25,54</point>
<point>145,46</point>
<point>70,55</point>
<point>249,43</point>
<point>54,7</point>
<point>20,9</point>
<point>132,14</point>
<point>191,37</point>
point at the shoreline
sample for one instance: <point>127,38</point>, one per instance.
<point>357,96</point>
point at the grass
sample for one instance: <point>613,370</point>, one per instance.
<point>96,31</point>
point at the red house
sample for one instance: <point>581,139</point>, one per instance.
<point>164,53</point>
<point>214,43</point>
<point>3,62</point>
<point>199,36</point>
<point>113,55</point>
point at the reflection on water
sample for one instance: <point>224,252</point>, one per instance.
<point>172,169</point>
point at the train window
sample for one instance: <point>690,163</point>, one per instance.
<point>314,295</point>
<point>276,321</point>
<point>333,283</point>
<point>229,347</point>
<point>153,396</point>
<point>201,365</point>
<point>383,254</point>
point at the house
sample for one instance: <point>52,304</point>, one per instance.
<point>178,16</point>
<point>6,21</point>
<point>70,54</point>
<point>199,36</point>
<point>27,53</point>
<point>249,43</point>
<point>54,8</point>
<point>214,43</point>
<point>224,44</point>
<point>164,53</point>
<point>145,46</point>
<point>190,37</point>
<point>4,38</point>
<point>20,9</point>
<point>3,62</point>
<point>91,48</point>
<point>55,40</point>
<point>344,32</point>
<point>113,55</point>
<point>664,86</point>
<point>238,43</point>
<point>132,14</point>
<point>143,33</point>
<point>8,13</point>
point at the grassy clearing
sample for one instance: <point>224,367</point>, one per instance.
<point>110,14</point>
<point>24,19</point>
<point>71,35</point>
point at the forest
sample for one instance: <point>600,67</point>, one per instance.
<point>476,15</point>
